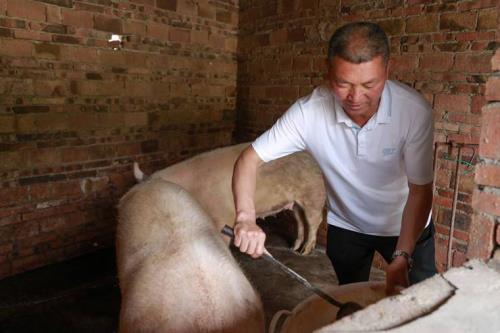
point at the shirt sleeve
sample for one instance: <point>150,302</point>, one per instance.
<point>418,151</point>
<point>285,137</point>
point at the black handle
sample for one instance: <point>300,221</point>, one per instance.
<point>228,231</point>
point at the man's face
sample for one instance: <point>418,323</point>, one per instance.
<point>358,86</point>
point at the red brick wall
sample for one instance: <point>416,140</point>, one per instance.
<point>74,113</point>
<point>443,49</point>
<point>485,227</point>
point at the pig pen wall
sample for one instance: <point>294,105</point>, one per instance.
<point>74,113</point>
<point>485,226</point>
<point>441,48</point>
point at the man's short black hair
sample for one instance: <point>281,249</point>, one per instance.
<point>359,42</point>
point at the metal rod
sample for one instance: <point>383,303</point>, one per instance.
<point>228,231</point>
<point>454,208</point>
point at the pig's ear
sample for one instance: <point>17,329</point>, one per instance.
<point>138,174</point>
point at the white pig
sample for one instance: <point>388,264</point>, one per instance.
<point>292,182</point>
<point>176,274</point>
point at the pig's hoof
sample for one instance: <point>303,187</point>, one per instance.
<point>306,249</point>
<point>297,245</point>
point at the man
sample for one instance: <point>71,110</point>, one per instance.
<point>373,140</point>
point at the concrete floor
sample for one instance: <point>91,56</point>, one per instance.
<point>82,295</point>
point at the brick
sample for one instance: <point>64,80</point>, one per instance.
<point>40,192</point>
<point>493,89</point>
<point>461,235</point>
<point>45,157</point>
<point>498,235</point>
<point>47,50</point>
<point>475,36</point>
<point>78,18</point>
<point>16,48</point>
<point>66,39</point>
<point>62,3</point>
<point>278,37</point>
<point>223,15</point>
<point>100,88</point>
<point>466,183</point>
<point>199,37</point>
<point>458,21</point>
<point>86,55</point>
<point>37,123</point>
<point>10,219</point>
<point>490,132</point>
<point>477,104</point>
<point>179,35</point>
<point>16,87</point>
<point>231,44</point>
<point>26,229</point>
<point>422,24</point>
<point>486,202</point>
<point>488,175</point>
<point>157,30</point>
<point>6,32</point>
<point>452,103</point>
<point>54,14</point>
<point>12,160</point>
<point>403,63</point>
<point>480,46</point>
<point>26,10</point>
<point>187,7</point>
<point>144,2</point>
<point>473,63</point>
<point>12,23</point>
<point>26,263</point>
<point>436,62</point>
<point>108,23</point>
<point>477,4</point>
<point>54,210</point>
<point>481,237</point>
<point>495,61</point>
<point>110,120</point>
<point>216,41</point>
<point>302,64</point>
<point>134,28</point>
<point>167,4</point>
<point>458,258</point>
<point>296,35</point>
<point>6,248</point>
<point>32,35</point>
<point>206,10</point>
<point>7,124</point>
<point>392,26</point>
<point>13,195</point>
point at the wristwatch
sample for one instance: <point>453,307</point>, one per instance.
<point>401,253</point>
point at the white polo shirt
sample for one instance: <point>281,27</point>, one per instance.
<point>366,169</point>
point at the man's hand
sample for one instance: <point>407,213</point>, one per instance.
<point>396,275</point>
<point>249,238</point>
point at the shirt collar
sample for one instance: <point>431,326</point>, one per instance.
<point>384,115</point>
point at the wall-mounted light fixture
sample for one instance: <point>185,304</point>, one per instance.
<point>116,42</point>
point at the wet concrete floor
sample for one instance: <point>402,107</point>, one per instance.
<point>82,295</point>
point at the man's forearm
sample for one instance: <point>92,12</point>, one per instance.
<point>243,184</point>
<point>415,214</point>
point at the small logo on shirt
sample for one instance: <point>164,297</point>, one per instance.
<point>388,151</point>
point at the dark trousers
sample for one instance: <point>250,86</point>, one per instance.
<point>351,254</point>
